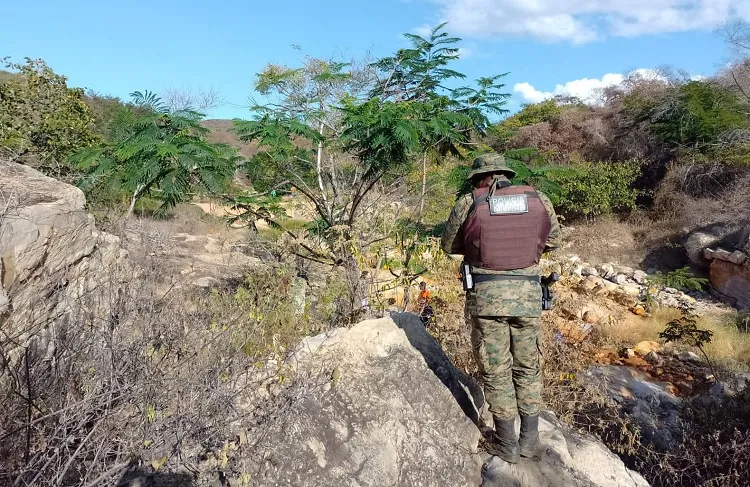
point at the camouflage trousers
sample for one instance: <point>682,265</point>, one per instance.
<point>508,354</point>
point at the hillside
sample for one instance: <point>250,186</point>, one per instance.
<point>221,133</point>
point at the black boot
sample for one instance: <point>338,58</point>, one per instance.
<point>502,442</point>
<point>529,438</point>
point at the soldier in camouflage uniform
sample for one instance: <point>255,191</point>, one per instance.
<point>505,305</point>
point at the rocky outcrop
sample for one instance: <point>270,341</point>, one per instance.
<point>53,261</point>
<point>397,412</point>
<point>731,282</point>
<point>729,268</point>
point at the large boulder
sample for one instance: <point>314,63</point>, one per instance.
<point>731,282</point>
<point>729,235</point>
<point>53,261</point>
<point>397,412</point>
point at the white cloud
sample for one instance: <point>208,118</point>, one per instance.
<point>422,30</point>
<point>465,52</point>
<point>587,90</point>
<point>581,21</point>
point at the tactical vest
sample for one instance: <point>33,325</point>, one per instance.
<point>506,229</point>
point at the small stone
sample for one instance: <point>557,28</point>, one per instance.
<point>591,283</point>
<point>640,277</point>
<point>610,286</point>
<point>619,279</point>
<point>686,299</point>
<point>638,310</point>
<point>709,254</point>
<point>635,362</point>
<point>688,357</point>
<point>671,290</point>
<point>622,269</point>
<point>589,271</point>
<point>577,270</point>
<point>652,358</point>
<point>607,270</point>
<point>737,257</point>
<point>590,317</point>
<point>574,259</point>
<point>645,347</point>
<point>207,282</point>
<point>722,254</point>
<point>631,289</point>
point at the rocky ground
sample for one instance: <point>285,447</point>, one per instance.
<point>379,403</point>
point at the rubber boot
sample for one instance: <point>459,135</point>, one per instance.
<point>502,443</point>
<point>528,440</point>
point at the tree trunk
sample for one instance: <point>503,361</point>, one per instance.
<point>319,169</point>
<point>133,200</point>
<point>424,188</point>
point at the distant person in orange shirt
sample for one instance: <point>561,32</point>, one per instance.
<point>425,310</point>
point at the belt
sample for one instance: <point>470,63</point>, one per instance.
<point>503,277</point>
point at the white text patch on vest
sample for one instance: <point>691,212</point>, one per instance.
<point>509,204</point>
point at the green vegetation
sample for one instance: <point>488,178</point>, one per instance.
<point>339,131</point>
<point>682,279</point>
<point>589,190</point>
<point>159,154</point>
<point>42,121</point>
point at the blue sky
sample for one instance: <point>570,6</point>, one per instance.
<point>221,44</point>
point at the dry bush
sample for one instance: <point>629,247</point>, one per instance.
<point>714,451</point>
<point>165,381</point>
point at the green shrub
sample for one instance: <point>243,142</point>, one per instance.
<point>682,279</point>
<point>588,190</point>
<point>533,113</point>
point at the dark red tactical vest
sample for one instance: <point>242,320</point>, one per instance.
<point>508,240</point>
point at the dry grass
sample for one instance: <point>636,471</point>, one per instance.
<point>729,346</point>
<point>607,240</point>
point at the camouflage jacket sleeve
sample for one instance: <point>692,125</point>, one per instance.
<point>554,241</point>
<point>452,240</point>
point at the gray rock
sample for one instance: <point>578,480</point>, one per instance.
<point>207,282</point>
<point>640,277</point>
<point>609,286</point>
<point>625,270</point>
<point>631,289</point>
<point>688,357</point>
<point>399,415</point>
<point>619,279</point>
<point>607,270</point>
<point>652,358</point>
<point>54,261</point>
<point>589,271</point>
<point>671,290</point>
<point>722,254</point>
<point>567,459</point>
<point>651,404</point>
<point>696,243</point>
<point>737,257</point>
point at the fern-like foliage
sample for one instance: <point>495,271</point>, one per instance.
<point>157,153</point>
<point>682,279</point>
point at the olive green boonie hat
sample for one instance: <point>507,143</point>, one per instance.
<point>489,163</point>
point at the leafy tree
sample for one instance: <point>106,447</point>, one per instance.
<point>338,131</point>
<point>42,121</point>
<point>157,153</point>
<point>686,329</point>
<point>448,117</point>
<point>693,115</point>
<point>533,113</point>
